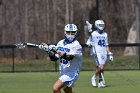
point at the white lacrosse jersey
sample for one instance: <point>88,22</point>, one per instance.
<point>73,48</point>
<point>98,41</point>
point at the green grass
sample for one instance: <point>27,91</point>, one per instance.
<point>117,82</point>
<point>119,63</point>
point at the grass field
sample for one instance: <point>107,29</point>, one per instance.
<point>35,82</point>
<point>39,65</point>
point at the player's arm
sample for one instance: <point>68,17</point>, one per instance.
<point>76,51</point>
<point>51,50</point>
<point>53,56</point>
<point>90,41</point>
<point>110,54</point>
<point>107,49</point>
<point>53,53</point>
<point>65,56</point>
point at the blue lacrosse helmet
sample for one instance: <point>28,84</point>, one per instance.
<point>70,32</point>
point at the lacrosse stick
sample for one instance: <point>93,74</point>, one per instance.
<point>24,45</point>
<point>43,46</point>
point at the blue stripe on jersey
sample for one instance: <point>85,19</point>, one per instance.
<point>70,82</point>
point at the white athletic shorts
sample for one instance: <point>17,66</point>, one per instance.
<point>69,78</point>
<point>100,58</point>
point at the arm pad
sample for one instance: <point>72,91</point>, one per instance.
<point>67,57</point>
<point>54,57</point>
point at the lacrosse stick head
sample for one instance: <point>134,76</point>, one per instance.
<point>70,32</point>
<point>21,45</point>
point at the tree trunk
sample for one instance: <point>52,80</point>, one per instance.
<point>134,33</point>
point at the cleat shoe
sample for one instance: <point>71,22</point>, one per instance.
<point>103,82</point>
<point>101,85</point>
<point>93,81</point>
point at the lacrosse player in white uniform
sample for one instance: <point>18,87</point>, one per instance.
<point>69,53</point>
<point>98,41</point>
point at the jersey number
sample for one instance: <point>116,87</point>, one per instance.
<point>101,43</point>
<point>64,61</point>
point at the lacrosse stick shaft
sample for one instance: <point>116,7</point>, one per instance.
<point>32,45</point>
<point>24,45</point>
<point>103,77</point>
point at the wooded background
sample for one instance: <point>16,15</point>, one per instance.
<point>44,20</point>
<point>39,21</point>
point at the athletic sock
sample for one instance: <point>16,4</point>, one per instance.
<point>100,78</point>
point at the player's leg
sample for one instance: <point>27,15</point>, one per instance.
<point>101,77</point>
<point>69,79</point>
<point>97,71</point>
<point>68,89</point>
<point>93,79</point>
<point>102,66</point>
<point>101,60</point>
<point>57,86</point>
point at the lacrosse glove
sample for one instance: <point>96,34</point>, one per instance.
<point>89,26</point>
<point>110,56</point>
<point>44,47</point>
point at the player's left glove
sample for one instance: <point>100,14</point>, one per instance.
<point>52,48</point>
<point>110,56</point>
<point>44,47</point>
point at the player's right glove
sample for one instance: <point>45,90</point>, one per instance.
<point>44,47</point>
<point>89,26</point>
<point>54,56</point>
<point>110,56</point>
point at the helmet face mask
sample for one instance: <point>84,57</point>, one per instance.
<point>70,32</point>
<point>99,24</point>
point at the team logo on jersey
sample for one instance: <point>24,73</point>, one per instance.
<point>100,37</point>
<point>63,49</point>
